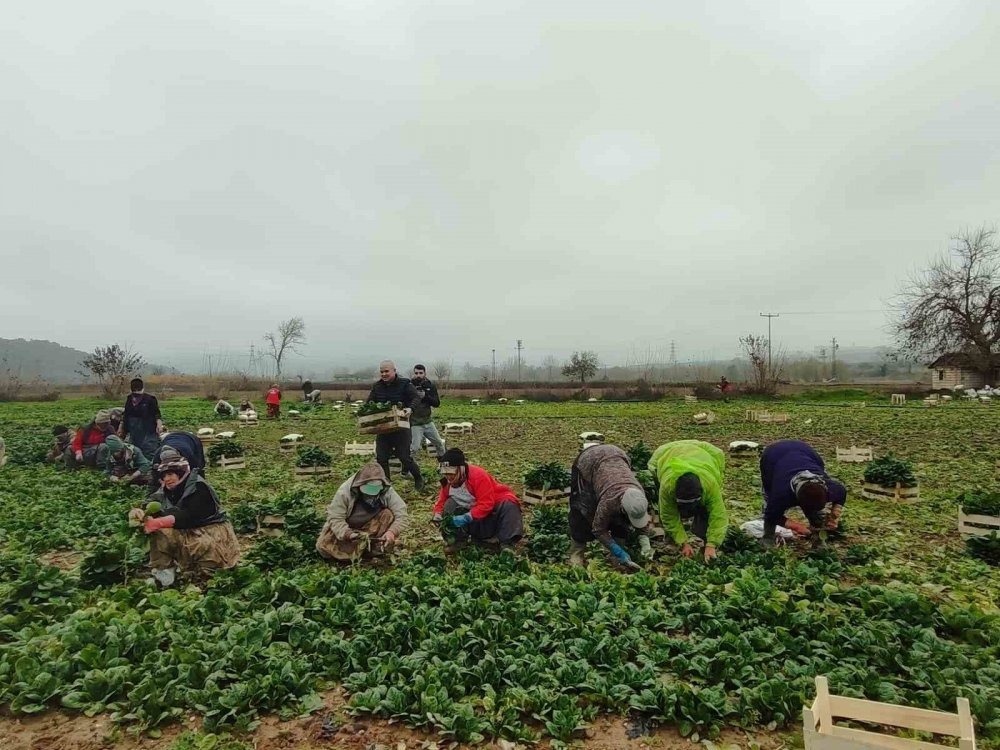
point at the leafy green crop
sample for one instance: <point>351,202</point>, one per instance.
<point>888,471</point>
<point>313,456</point>
<point>374,407</point>
<point>552,475</point>
<point>548,541</point>
<point>639,454</point>
<point>227,448</point>
<point>980,502</point>
<point>986,548</point>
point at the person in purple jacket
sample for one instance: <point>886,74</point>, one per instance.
<point>792,474</point>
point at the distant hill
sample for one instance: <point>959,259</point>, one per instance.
<point>47,360</point>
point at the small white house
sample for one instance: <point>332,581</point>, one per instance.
<point>956,368</point>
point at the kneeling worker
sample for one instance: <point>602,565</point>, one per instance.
<point>126,463</point>
<point>482,509</point>
<point>606,501</point>
<point>689,475</point>
<point>364,504</point>
<point>191,531</point>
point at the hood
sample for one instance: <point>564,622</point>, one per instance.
<point>370,472</point>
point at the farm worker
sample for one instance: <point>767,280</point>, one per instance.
<point>482,509</point>
<point>61,438</point>
<point>606,502</point>
<point>117,415</point>
<point>390,388</point>
<point>273,401</point>
<point>792,474</point>
<point>224,408</point>
<point>421,424</point>
<point>83,448</point>
<point>724,385</point>
<point>125,462</point>
<point>366,504</point>
<point>689,475</point>
<point>187,445</point>
<point>141,422</point>
<point>191,531</point>
<point>310,395</point>
<point>246,406</point>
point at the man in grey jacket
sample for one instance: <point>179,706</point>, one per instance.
<point>421,421</point>
<point>365,515</point>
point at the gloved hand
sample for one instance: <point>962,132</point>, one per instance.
<point>155,524</point>
<point>79,455</point>
<point>687,550</point>
<point>710,553</point>
<point>463,520</point>
<point>645,548</point>
<point>389,538</point>
<point>797,528</point>
<point>436,518</point>
<point>622,557</point>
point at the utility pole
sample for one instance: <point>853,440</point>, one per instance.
<point>834,346</point>
<point>519,347</point>
<point>769,316</point>
<point>494,377</point>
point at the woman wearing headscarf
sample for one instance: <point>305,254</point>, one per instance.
<point>365,515</point>
<point>689,475</point>
<point>190,532</point>
<point>125,463</point>
<point>481,508</point>
<point>141,421</point>
<point>84,448</point>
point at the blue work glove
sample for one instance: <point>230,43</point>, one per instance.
<point>463,520</point>
<point>621,554</point>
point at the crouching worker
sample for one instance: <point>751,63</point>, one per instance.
<point>480,508</point>
<point>365,515</point>
<point>84,448</point>
<point>190,532</point>
<point>793,474</point>
<point>605,503</point>
<point>125,463</point>
<point>689,475</point>
<point>224,409</point>
<point>61,438</point>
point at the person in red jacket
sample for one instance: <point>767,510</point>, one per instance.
<point>273,401</point>
<point>481,508</point>
<point>83,448</point>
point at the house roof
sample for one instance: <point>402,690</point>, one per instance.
<point>959,360</point>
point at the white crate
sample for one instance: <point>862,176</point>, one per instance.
<point>359,449</point>
<point>977,525</point>
<point>821,733</point>
<point>898,399</point>
<point>855,455</point>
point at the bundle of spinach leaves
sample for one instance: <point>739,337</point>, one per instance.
<point>552,475</point>
<point>227,448</point>
<point>888,471</point>
<point>313,456</point>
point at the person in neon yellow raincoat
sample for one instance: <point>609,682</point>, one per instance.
<point>689,476</point>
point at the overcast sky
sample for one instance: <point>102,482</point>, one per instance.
<point>434,180</point>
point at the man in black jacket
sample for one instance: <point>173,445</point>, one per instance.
<point>421,422</point>
<point>393,389</point>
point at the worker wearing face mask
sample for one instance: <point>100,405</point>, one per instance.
<point>689,476</point>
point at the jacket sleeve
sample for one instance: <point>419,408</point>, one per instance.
<point>838,492</point>
<point>718,519</point>
<point>410,397</point>
<point>481,488</point>
<point>156,407</point>
<point>336,512</point>
<point>431,398</point>
<point>442,498</point>
<point>142,463</point>
<point>77,444</point>
<point>601,526</point>
<point>670,517</point>
<point>400,516</point>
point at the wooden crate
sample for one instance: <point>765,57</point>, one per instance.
<point>474,402</point>
<point>270,525</point>
<point>313,472</point>
<point>457,428</point>
<point>973,524</point>
<point>248,422</point>
<point>704,417</point>
<point>898,399</point>
<point>231,464</point>
<point>898,493</point>
<point>295,414</point>
<point>359,449</point>
<point>690,399</point>
<point>383,421</point>
<point>431,449</point>
<point>546,497</point>
<point>821,733</point>
<point>501,401</point>
<point>592,436</point>
<point>518,400</point>
<point>744,454</point>
<point>855,455</point>
<point>763,416</point>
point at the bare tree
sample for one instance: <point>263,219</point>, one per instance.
<point>582,365</point>
<point>954,305</point>
<point>442,370</point>
<point>550,365</point>
<point>764,377</point>
<point>290,335</point>
<point>113,366</point>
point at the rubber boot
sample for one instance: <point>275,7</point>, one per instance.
<point>576,555</point>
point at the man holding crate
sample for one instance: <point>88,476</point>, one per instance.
<point>390,388</point>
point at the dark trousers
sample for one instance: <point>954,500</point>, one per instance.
<point>580,527</point>
<point>395,443</point>
<point>505,523</point>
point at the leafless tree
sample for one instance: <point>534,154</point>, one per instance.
<point>954,305</point>
<point>442,370</point>
<point>290,335</point>
<point>113,366</point>
<point>765,372</point>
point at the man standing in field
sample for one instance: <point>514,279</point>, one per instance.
<point>606,502</point>
<point>421,421</point>
<point>793,474</point>
<point>689,476</point>
<point>141,420</point>
<point>390,388</point>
